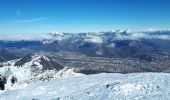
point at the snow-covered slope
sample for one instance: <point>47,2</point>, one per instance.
<point>137,86</point>
<point>39,61</point>
<point>30,69</point>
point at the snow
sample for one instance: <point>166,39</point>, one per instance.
<point>27,74</point>
<point>58,33</point>
<point>38,56</point>
<point>111,45</point>
<point>136,86</point>
<point>55,36</point>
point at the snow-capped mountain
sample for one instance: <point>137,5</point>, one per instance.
<point>91,37</point>
<point>151,50</point>
<point>105,37</point>
<point>119,43</point>
<point>136,86</point>
<point>39,61</point>
<point>110,44</point>
<point>30,69</point>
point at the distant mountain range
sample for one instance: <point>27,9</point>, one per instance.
<point>119,51</point>
<point>101,44</point>
<point>6,56</point>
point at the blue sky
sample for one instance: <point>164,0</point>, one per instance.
<point>37,16</point>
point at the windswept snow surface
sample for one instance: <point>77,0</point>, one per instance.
<point>136,86</point>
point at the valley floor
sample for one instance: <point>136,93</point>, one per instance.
<point>104,86</point>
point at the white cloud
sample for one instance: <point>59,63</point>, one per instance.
<point>94,38</point>
<point>143,35</point>
<point>30,20</point>
<point>151,29</point>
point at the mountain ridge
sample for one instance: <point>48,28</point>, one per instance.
<point>34,68</point>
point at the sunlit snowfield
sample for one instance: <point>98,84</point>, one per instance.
<point>136,86</point>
